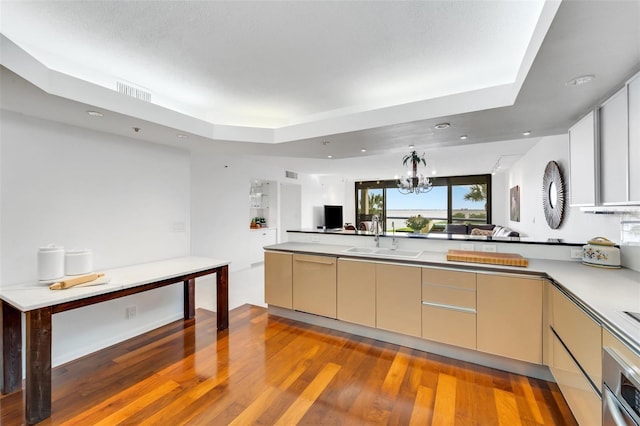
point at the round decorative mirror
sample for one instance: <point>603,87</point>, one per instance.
<point>553,195</point>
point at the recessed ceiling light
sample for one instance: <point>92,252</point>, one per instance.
<point>181,136</point>
<point>583,79</point>
<point>441,126</point>
<point>363,150</point>
<point>463,137</point>
<point>433,172</point>
<point>527,133</point>
<point>412,146</point>
<point>329,156</point>
<point>95,113</point>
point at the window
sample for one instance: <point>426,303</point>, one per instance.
<point>454,199</point>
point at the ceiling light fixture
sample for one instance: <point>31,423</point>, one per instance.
<point>441,126</point>
<point>181,136</point>
<point>583,79</point>
<point>363,150</point>
<point>95,113</point>
<point>527,133</point>
<point>414,183</point>
<point>329,156</point>
<point>464,137</point>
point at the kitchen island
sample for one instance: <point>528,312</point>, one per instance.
<point>549,320</point>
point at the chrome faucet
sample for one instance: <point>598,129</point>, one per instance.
<point>375,224</point>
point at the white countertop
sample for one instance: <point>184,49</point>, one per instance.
<point>33,295</point>
<point>603,292</point>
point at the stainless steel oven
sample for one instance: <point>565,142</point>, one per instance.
<point>621,391</point>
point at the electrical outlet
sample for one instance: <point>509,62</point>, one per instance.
<point>576,253</point>
<point>130,312</point>
<point>467,246</point>
<point>492,248</point>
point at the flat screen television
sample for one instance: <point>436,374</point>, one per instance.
<point>332,217</point>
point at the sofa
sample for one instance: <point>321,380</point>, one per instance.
<point>486,230</point>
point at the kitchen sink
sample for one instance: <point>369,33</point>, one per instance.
<point>384,252</point>
<point>362,250</point>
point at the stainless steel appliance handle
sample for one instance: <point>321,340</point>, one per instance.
<point>615,411</point>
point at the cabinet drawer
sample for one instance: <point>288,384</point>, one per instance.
<point>581,334</point>
<point>442,277</point>
<point>610,341</point>
<point>449,296</point>
<point>449,326</point>
<point>583,400</point>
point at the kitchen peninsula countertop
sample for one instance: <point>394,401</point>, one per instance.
<point>440,236</point>
<point>605,293</point>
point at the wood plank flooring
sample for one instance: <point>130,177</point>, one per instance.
<point>268,370</point>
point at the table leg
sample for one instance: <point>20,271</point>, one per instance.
<point>190,299</point>
<point>10,348</point>
<point>38,378</point>
<point>222,297</point>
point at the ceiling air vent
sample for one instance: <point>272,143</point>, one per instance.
<point>291,175</point>
<point>133,91</point>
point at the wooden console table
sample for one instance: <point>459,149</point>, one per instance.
<point>39,304</point>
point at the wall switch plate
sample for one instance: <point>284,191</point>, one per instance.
<point>492,248</point>
<point>467,246</point>
<point>576,253</point>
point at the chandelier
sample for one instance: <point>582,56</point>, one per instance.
<point>414,183</point>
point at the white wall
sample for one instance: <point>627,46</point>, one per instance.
<point>527,172</point>
<point>120,197</point>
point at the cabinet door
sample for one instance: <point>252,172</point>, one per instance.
<point>278,283</point>
<point>314,284</point>
<point>258,239</point>
<point>634,139</point>
<point>580,334</point>
<point>509,317</point>
<point>398,300</point>
<point>357,292</point>
<point>582,162</point>
<point>583,400</point>
<point>614,149</point>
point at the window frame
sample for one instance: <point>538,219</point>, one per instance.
<point>448,181</point>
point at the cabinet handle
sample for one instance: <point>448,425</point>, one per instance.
<point>321,262</point>
<point>450,307</point>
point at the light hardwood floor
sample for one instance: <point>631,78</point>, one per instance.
<point>270,370</point>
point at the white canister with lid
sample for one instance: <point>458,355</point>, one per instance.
<point>50,262</point>
<point>78,262</point>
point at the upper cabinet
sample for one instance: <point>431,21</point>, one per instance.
<point>634,138</point>
<point>604,152</point>
<point>582,161</point>
<point>614,149</point>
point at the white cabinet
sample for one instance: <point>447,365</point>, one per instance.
<point>614,142</point>
<point>258,239</point>
<point>634,139</point>
<point>619,122</point>
<point>582,162</point>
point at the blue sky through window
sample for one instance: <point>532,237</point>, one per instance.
<point>434,199</point>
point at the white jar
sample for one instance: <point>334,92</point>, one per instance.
<point>78,262</point>
<point>50,262</point>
